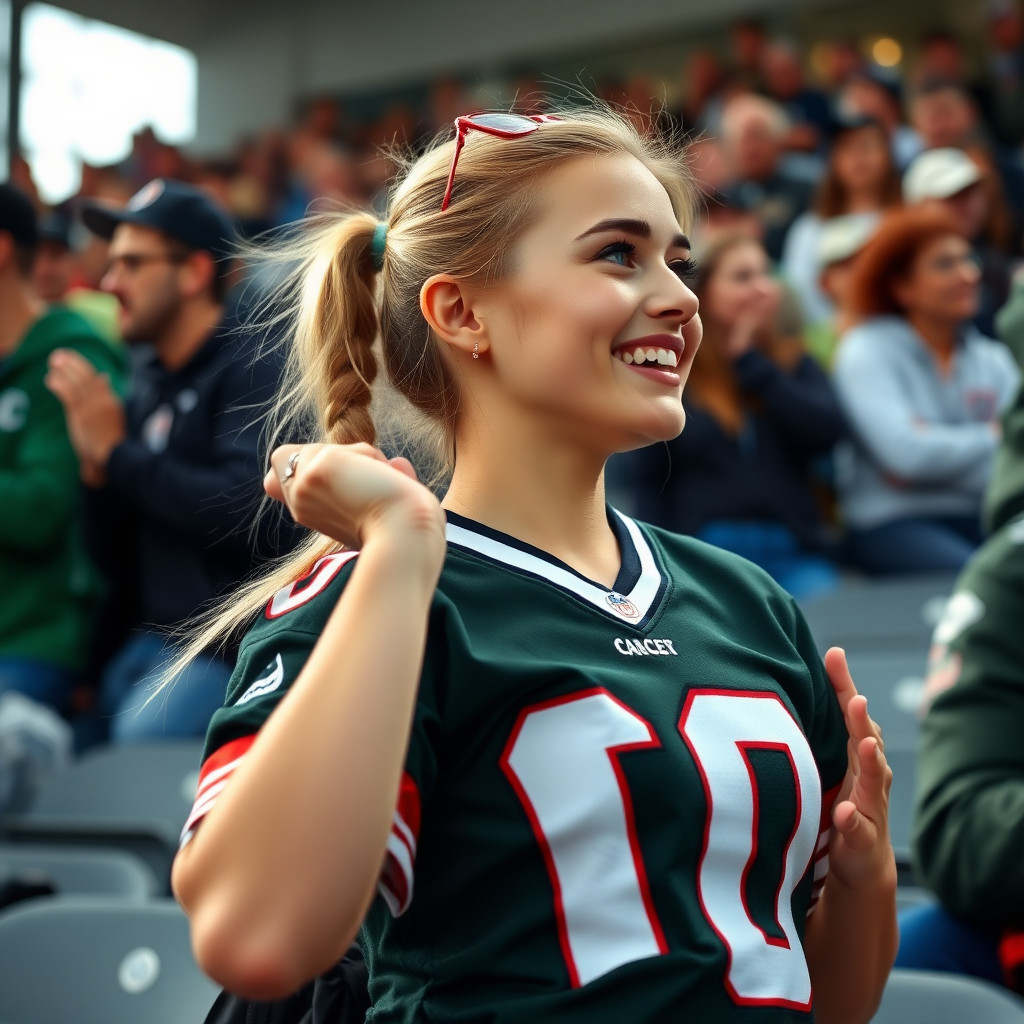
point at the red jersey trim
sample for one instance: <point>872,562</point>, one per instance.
<point>213,776</point>
<point>305,588</point>
<point>396,875</point>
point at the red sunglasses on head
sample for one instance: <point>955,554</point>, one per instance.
<point>501,126</point>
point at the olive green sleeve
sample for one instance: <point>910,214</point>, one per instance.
<point>969,822</point>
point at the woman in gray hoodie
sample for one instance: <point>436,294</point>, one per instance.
<point>922,391</point>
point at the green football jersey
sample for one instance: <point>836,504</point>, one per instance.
<point>616,804</point>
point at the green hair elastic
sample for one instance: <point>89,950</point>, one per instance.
<point>380,237</point>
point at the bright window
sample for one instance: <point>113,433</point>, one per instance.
<point>87,87</point>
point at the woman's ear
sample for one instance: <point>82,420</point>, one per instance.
<point>447,307</point>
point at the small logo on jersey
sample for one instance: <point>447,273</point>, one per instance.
<point>268,684</point>
<point>156,429</point>
<point>630,648</point>
<point>624,607</point>
<point>14,405</point>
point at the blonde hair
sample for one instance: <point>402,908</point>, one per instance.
<point>345,317</point>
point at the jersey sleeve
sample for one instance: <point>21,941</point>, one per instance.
<point>828,739</point>
<point>271,657</point>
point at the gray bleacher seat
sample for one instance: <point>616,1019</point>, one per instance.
<point>927,997</point>
<point>79,870</point>
<point>879,614</point>
<point>86,960</point>
<point>892,681</point>
<point>901,801</point>
<point>133,797</point>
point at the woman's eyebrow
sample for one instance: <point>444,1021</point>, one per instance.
<point>629,226</point>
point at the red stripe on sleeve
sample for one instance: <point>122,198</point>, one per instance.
<point>213,776</point>
<point>396,877</point>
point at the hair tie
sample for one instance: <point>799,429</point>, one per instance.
<point>380,237</point>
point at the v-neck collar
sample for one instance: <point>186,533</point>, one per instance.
<point>638,586</point>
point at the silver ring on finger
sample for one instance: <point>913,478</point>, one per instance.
<point>289,470</point>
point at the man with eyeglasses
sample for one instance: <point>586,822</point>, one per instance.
<point>173,473</point>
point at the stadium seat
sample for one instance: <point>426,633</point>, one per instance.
<point>82,960</point>
<point>926,997</point>
<point>79,871</point>
<point>135,798</point>
<point>892,681</point>
<point>901,801</point>
<point>879,614</point>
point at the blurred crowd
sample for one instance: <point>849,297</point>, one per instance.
<point>856,242</point>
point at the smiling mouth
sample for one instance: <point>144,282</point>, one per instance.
<point>645,354</point>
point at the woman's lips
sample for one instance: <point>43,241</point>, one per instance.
<point>652,360</point>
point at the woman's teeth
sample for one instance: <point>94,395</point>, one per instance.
<point>639,356</point>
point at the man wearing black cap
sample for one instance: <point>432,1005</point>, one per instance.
<point>50,590</point>
<point>174,471</point>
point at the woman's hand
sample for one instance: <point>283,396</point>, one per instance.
<point>352,493</point>
<point>860,854</point>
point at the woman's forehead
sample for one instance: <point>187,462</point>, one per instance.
<point>607,187</point>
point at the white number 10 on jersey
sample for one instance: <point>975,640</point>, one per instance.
<point>563,761</point>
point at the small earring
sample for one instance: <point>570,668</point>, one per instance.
<point>476,349</point>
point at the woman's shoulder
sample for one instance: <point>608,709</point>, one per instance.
<point>714,569</point>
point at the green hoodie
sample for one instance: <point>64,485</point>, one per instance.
<point>49,587</point>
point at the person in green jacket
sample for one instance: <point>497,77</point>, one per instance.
<point>969,823</point>
<point>48,587</point>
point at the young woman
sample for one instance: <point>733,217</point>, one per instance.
<point>594,771</point>
<point>861,179</point>
<point>923,392</point>
<point>759,411</point>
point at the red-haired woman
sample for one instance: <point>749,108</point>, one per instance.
<point>922,391</point>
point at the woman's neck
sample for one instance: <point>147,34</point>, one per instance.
<point>517,477</point>
<point>863,201</point>
<point>940,335</point>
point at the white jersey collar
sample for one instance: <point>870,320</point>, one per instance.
<point>634,607</point>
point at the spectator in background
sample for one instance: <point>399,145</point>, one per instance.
<point>1005,87</point>
<point>861,179</point>
<point>875,95</point>
<point>702,85</point>
<point>951,179</point>
<point>50,589</point>
<point>922,391</point>
<point>174,473</point>
<point>944,115</point>
<point>808,109</point>
<point>841,239</point>
<point>747,42</point>
<point>753,132</point>
<point>758,413</point>
<point>54,264</point>
<point>969,827</point>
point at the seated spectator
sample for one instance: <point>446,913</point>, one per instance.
<point>951,179</point>
<point>807,108</point>
<point>758,413</point>
<point>922,391</point>
<point>54,265</point>
<point>173,473</point>
<point>969,827</point>
<point>50,589</point>
<point>874,94</point>
<point>753,132</point>
<point>842,238</point>
<point>861,179</point>
<point>1004,95</point>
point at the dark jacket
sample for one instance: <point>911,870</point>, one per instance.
<point>174,527</point>
<point>763,474</point>
<point>49,589</point>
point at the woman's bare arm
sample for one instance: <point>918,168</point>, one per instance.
<point>279,875</point>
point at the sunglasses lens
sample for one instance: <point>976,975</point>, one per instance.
<point>512,123</point>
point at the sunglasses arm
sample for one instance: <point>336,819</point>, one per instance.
<point>460,141</point>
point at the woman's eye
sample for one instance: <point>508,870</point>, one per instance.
<point>619,253</point>
<point>685,270</point>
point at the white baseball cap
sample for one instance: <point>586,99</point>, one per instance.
<point>939,174</point>
<point>843,237</point>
